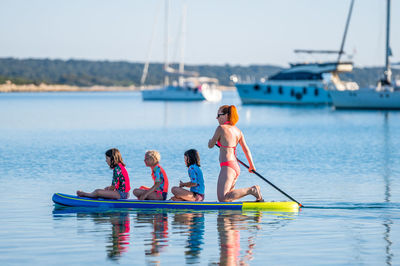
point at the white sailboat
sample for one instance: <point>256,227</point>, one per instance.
<point>386,95</point>
<point>302,83</point>
<point>188,86</point>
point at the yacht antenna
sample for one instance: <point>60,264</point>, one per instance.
<point>345,31</point>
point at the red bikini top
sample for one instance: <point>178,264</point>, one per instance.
<point>219,143</point>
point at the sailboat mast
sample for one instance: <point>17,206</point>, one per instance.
<point>345,30</point>
<point>388,72</point>
<point>153,35</point>
<point>166,42</point>
<point>183,37</point>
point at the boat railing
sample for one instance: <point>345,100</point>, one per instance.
<point>351,85</point>
<point>335,83</point>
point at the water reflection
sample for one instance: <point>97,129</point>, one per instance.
<point>192,224</point>
<point>237,235</point>
<point>159,235</point>
<point>387,222</point>
<point>229,226</point>
<point>118,240</point>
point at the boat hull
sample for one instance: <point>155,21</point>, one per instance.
<point>366,99</point>
<point>74,201</point>
<point>172,95</point>
<point>176,93</point>
<point>275,93</point>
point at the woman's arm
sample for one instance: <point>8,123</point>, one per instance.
<point>152,189</point>
<point>215,138</point>
<point>247,152</point>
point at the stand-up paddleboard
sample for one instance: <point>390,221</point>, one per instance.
<point>74,201</point>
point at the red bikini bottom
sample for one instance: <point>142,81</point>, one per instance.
<point>232,164</point>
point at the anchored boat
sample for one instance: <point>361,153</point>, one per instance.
<point>188,89</point>
<point>302,83</point>
<point>186,85</point>
<point>74,201</point>
<point>386,95</point>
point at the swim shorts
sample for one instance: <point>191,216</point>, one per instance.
<point>123,195</point>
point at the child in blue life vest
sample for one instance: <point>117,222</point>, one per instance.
<point>120,185</point>
<point>159,190</point>
<point>196,183</point>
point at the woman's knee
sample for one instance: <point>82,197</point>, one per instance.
<point>224,197</point>
<point>221,198</point>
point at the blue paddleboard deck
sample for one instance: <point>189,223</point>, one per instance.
<point>75,201</point>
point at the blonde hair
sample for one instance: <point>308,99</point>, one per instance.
<point>154,156</point>
<point>233,116</point>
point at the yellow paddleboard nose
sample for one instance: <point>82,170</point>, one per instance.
<point>288,206</point>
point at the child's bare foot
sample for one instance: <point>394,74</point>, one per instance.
<point>255,191</point>
<point>79,193</point>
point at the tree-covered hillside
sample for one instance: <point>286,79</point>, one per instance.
<point>111,73</point>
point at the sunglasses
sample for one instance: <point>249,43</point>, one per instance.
<point>218,115</point>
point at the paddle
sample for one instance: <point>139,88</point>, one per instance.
<point>266,180</point>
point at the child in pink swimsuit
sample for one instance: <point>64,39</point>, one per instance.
<point>120,185</point>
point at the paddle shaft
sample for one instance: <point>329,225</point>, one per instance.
<point>266,180</point>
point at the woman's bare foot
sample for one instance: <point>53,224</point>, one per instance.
<point>80,193</point>
<point>255,191</point>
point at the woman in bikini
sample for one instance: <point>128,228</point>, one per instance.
<point>227,136</point>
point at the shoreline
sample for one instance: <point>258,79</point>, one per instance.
<point>9,87</point>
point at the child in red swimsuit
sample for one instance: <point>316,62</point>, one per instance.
<point>159,190</point>
<point>120,185</point>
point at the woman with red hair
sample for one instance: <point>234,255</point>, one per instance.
<point>227,136</point>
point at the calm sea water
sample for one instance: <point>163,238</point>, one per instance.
<point>344,166</point>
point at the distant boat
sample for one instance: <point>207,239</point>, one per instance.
<point>302,83</point>
<point>386,95</point>
<point>192,89</point>
<point>188,86</point>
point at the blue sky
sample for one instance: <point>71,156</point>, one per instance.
<point>236,32</point>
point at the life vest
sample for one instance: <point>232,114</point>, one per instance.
<point>165,178</point>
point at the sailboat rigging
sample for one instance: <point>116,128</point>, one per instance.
<point>189,86</point>
<point>386,95</point>
<point>302,83</point>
